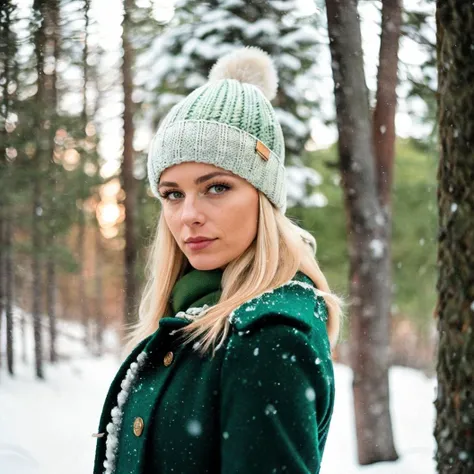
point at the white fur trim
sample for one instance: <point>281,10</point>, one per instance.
<point>251,65</point>
<point>113,428</point>
<point>192,313</point>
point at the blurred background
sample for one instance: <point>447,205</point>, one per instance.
<point>83,87</point>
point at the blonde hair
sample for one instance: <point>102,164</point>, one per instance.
<point>280,249</point>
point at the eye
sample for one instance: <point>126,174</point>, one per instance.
<point>223,186</point>
<point>166,195</point>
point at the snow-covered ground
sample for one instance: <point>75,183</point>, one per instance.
<point>46,427</point>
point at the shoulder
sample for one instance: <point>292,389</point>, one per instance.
<point>290,319</point>
<point>295,304</point>
<point>277,351</point>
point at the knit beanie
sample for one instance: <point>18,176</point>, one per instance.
<point>228,122</point>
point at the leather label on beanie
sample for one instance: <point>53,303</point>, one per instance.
<point>262,150</point>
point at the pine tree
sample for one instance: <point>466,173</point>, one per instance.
<point>419,30</point>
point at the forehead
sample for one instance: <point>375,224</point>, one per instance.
<point>190,170</point>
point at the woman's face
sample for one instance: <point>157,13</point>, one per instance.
<point>202,200</point>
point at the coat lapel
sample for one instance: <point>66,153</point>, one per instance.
<point>151,345</point>
<point>111,401</point>
<point>153,380</point>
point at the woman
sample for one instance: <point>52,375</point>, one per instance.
<point>230,367</point>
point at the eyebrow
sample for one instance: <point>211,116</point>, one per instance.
<point>199,180</point>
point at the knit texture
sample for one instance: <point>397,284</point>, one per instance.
<point>220,123</point>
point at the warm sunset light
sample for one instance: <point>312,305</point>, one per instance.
<point>110,189</point>
<point>108,214</point>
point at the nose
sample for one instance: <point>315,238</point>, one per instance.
<point>191,213</point>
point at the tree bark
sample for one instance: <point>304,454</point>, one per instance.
<point>53,39</point>
<point>99,294</point>
<point>367,233</point>
<point>454,429</point>
<point>99,261</point>
<point>7,41</point>
<point>81,237</point>
<point>9,278</point>
<point>129,182</point>
<point>81,251</point>
<point>4,32</point>
<point>51,308</point>
<point>2,279</point>
<point>40,11</point>
<point>386,101</point>
<point>383,126</point>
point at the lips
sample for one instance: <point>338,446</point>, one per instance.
<point>200,244</point>
<point>197,239</point>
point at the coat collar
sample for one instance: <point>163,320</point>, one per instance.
<point>194,289</point>
<point>296,302</point>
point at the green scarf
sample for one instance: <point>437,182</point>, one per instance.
<point>195,289</point>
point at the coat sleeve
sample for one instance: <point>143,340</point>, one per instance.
<point>276,391</point>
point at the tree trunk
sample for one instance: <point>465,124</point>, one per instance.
<point>98,274</point>
<point>4,25</point>
<point>383,126</point>
<point>53,38</point>
<point>129,182</point>
<point>99,295</point>
<point>23,326</point>
<point>2,279</point>
<point>36,273</point>
<point>81,244</point>
<point>51,308</point>
<point>386,102</point>
<point>5,51</point>
<point>454,429</point>
<point>41,12</point>
<point>81,251</point>
<point>367,237</point>
<point>9,278</point>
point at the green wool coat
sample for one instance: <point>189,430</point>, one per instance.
<point>262,405</point>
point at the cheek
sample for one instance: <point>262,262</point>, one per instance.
<point>241,218</point>
<point>171,221</point>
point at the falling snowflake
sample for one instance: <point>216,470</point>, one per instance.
<point>310,394</point>
<point>194,428</point>
<point>376,247</point>
<point>270,410</point>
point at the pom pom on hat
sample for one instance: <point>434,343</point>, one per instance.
<point>251,65</point>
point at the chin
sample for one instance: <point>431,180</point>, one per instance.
<point>205,263</point>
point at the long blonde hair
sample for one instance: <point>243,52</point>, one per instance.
<point>280,249</point>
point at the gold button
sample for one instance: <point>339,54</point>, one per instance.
<point>138,426</point>
<point>168,358</point>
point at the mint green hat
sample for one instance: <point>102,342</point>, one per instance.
<point>228,122</point>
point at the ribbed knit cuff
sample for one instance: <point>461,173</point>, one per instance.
<point>222,145</point>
